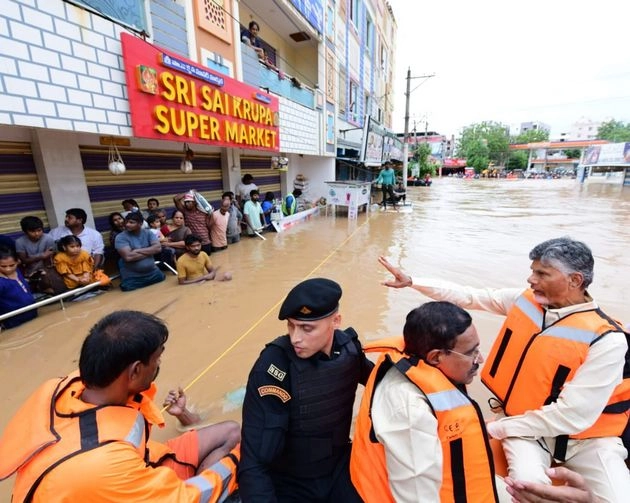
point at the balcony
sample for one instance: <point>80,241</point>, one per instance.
<point>261,75</point>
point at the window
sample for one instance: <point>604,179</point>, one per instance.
<point>369,36</point>
<point>128,12</point>
<point>353,107</point>
<point>354,12</point>
<point>343,86</point>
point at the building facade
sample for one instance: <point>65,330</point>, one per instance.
<point>72,96</point>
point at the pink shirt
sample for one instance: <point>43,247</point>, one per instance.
<point>218,232</point>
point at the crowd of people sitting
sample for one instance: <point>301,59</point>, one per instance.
<point>142,245</point>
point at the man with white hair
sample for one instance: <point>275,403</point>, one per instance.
<point>558,368</point>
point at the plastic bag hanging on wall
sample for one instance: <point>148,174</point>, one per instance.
<point>115,163</point>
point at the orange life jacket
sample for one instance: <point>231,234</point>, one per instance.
<point>529,363</point>
<point>468,471</point>
<point>46,431</point>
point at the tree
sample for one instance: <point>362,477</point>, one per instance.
<point>482,143</point>
<point>531,136</point>
<point>572,153</point>
<point>423,151</point>
<point>614,131</point>
<point>517,160</point>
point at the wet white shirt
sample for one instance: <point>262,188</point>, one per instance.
<point>581,400</point>
<point>91,239</point>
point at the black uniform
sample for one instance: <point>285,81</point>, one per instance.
<point>296,423</point>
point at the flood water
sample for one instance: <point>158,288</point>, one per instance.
<point>473,232</point>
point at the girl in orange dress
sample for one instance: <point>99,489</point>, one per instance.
<point>75,265</point>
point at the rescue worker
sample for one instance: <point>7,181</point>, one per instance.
<point>419,436</point>
<point>298,404</point>
<point>84,437</point>
<point>289,203</point>
<point>556,368</point>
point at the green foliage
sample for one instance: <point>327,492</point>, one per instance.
<point>423,150</point>
<point>482,143</point>
<point>517,160</point>
<point>531,136</point>
<point>614,131</point>
<point>572,153</point>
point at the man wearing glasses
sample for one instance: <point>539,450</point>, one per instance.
<point>418,435</point>
<point>556,368</point>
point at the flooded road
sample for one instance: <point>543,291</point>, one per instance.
<point>474,232</point>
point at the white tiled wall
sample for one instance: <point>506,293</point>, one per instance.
<point>61,68</point>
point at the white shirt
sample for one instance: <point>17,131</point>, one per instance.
<point>581,400</point>
<point>91,239</point>
<point>407,429</point>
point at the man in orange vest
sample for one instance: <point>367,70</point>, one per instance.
<point>558,368</point>
<point>84,437</point>
<point>418,435</point>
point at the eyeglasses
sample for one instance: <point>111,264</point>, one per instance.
<point>476,355</point>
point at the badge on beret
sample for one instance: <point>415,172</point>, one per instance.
<point>305,310</point>
<point>282,394</point>
<point>276,372</point>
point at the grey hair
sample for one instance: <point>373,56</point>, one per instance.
<point>566,255</point>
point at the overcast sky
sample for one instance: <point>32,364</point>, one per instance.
<point>553,61</point>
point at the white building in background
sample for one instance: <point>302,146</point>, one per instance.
<point>583,129</point>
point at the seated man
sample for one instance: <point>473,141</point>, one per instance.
<point>195,265</point>
<point>136,247</point>
<point>35,251</point>
<point>416,416</point>
<point>93,443</point>
<point>91,239</point>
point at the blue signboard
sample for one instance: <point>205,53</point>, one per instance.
<point>313,11</point>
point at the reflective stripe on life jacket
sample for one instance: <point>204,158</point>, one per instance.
<point>467,470</point>
<point>529,364</point>
<point>68,434</point>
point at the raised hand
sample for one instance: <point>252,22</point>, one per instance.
<point>401,280</point>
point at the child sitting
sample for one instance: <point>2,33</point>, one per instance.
<point>155,226</point>
<point>167,254</point>
<point>14,290</point>
<point>75,265</point>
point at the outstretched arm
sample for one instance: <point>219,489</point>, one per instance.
<point>400,280</point>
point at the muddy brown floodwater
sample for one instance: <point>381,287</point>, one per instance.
<point>475,232</point>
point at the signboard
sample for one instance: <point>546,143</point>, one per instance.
<point>313,11</point>
<point>607,155</point>
<point>392,148</point>
<point>350,194</point>
<point>173,98</point>
<point>373,137</point>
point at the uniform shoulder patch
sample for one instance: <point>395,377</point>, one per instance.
<point>276,372</point>
<point>282,394</point>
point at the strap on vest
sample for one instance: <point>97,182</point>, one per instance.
<point>458,474</point>
<point>559,378</point>
<point>617,408</point>
<point>500,352</point>
<point>89,440</point>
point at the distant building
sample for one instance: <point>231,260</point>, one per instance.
<point>534,126</point>
<point>583,129</point>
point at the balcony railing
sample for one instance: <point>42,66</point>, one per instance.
<point>259,74</point>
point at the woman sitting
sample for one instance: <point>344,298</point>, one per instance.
<point>177,232</point>
<point>14,290</point>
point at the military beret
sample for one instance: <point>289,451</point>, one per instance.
<point>311,300</point>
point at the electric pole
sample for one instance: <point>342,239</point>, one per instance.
<point>406,133</point>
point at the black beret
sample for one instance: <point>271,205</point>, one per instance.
<point>311,300</point>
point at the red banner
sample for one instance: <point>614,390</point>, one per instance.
<point>174,98</point>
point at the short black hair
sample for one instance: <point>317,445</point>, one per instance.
<point>152,218</point>
<point>252,24</point>
<point>115,342</point>
<point>191,238</point>
<point>154,200</point>
<point>434,325</point>
<point>247,178</point>
<point>252,192</point>
<point>6,252</point>
<point>297,192</point>
<point>134,215</point>
<point>229,194</point>
<point>78,213</point>
<point>31,223</point>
